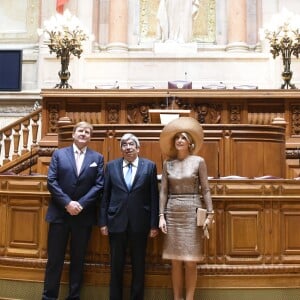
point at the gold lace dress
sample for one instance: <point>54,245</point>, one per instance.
<point>179,198</point>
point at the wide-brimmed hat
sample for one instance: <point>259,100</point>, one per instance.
<point>182,124</point>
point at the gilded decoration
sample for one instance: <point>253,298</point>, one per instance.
<point>204,25</point>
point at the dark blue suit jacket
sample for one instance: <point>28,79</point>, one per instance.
<point>137,208</point>
<point>65,185</point>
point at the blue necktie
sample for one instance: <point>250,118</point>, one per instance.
<point>128,176</point>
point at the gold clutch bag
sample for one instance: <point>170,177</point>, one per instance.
<point>201,216</point>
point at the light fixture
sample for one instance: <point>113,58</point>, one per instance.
<point>284,37</point>
<point>64,35</point>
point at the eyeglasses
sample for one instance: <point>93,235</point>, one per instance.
<point>128,145</point>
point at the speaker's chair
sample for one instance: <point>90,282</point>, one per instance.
<point>180,84</point>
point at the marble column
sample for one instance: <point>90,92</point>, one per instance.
<point>258,47</point>
<point>96,23</point>
<point>237,26</point>
<point>118,26</point>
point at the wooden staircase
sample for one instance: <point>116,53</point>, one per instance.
<point>19,145</point>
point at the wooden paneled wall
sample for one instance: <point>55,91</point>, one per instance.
<point>242,150</point>
<point>254,241</point>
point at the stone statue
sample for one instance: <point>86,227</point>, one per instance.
<point>175,19</point>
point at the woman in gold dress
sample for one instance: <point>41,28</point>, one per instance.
<point>184,180</point>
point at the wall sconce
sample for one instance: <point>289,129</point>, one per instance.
<point>284,37</point>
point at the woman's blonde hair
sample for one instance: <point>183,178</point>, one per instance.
<point>188,138</point>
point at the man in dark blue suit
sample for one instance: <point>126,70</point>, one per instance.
<point>129,214</point>
<point>75,181</point>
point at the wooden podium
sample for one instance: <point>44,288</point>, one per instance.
<point>164,116</point>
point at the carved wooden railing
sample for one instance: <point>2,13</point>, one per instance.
<point>19,143</point>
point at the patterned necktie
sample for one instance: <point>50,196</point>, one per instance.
<point>128,176</point>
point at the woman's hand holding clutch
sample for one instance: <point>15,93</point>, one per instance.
<point>209,220</point>
<point>207,224</point>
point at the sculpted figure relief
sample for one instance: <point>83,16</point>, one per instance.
<point>175,19</point>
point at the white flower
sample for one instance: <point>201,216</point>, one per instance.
<point>283,24</point>
<point>64,33</point>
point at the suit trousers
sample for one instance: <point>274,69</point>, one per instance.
<point>58,237</point>
<point>137,244</point>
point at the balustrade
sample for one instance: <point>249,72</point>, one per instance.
<point>19,138</point>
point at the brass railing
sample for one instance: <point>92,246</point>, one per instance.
<point>19,139</point>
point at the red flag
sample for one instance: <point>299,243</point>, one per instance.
<point>60,5</point>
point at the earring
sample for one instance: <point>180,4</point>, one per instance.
<point>192,146</point>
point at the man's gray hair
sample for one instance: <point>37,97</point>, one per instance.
<point>129,136</point>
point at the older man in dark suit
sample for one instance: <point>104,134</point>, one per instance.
<point>75,181</point>
<point>129,214</point>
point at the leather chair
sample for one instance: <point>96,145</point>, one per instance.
<point>180,84</point>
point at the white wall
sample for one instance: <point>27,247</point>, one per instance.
<point>210,64</point>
